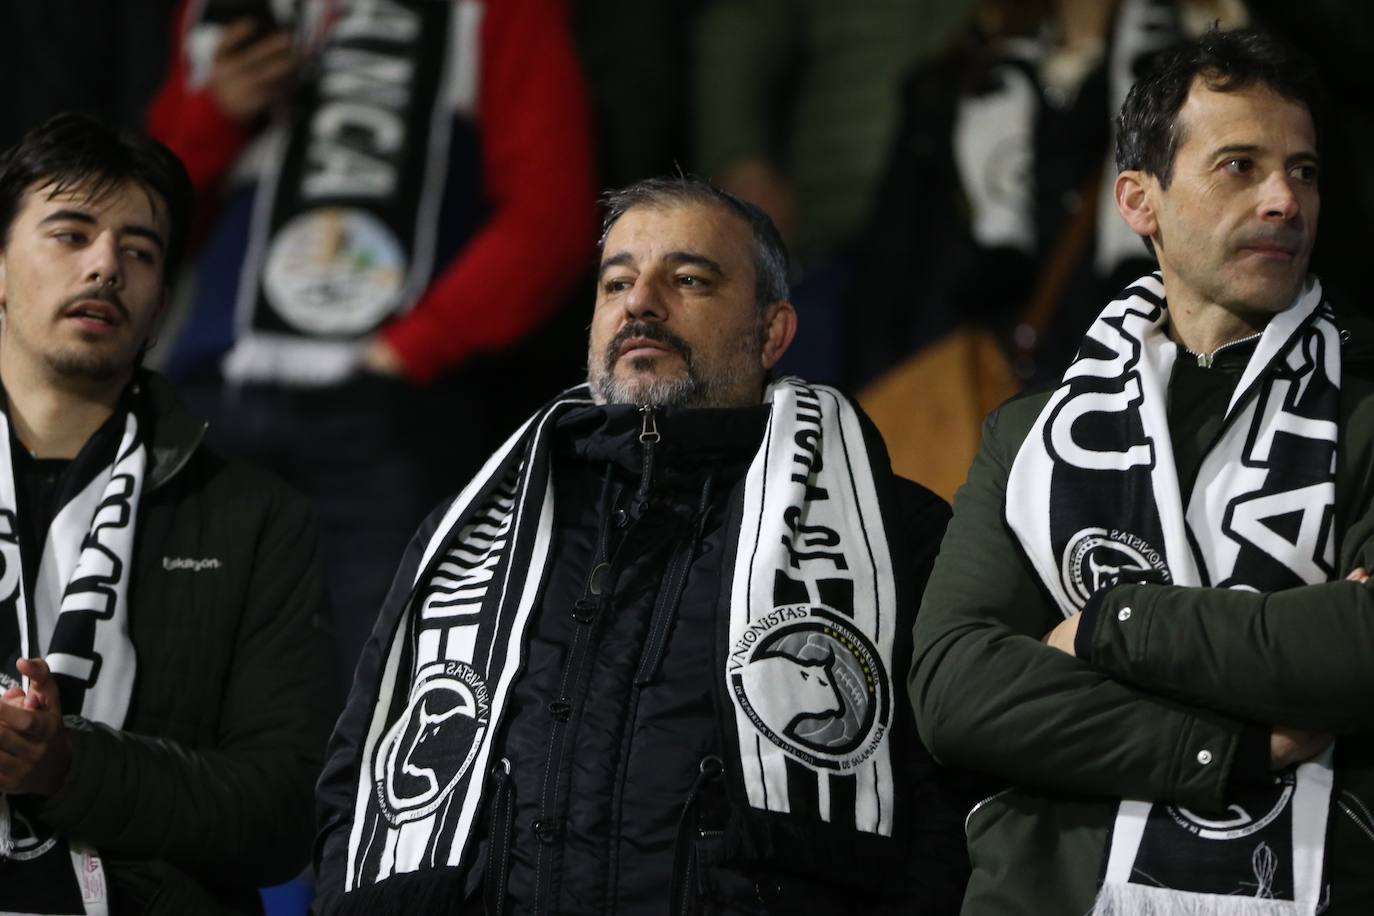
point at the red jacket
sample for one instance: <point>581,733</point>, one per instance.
<point>537,179</point>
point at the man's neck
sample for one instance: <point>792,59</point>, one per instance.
<point>54,420</point>
<point>1206,327</point>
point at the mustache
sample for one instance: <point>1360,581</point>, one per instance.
<point>101,292</point>
<point>1284,236</point>
<point>649,331</point>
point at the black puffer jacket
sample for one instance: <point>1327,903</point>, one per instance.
<point>611,794</point>
<point>204,794</point>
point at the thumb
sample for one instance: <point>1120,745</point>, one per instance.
<point>42,685</point>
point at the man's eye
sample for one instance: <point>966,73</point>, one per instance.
<point>140,254</point>
<point>1306,173</point>
<point>69,238</point>
<point>690,280</point>
<point>617,284</point>
<point>1238,166</point>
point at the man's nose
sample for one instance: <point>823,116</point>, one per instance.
<point>1278,200</point>
<point>644,300</point>
<point>102,261</point>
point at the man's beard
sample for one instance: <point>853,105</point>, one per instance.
<point>693,387</point>
<point>91,367</point>
<point>86,363</point>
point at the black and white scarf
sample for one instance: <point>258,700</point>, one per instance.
<point>345,217</point>
<point>77,619</point>
<point>811,519</point>
<point>1093,493</point>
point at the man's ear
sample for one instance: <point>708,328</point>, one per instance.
<point>1135,201</point>
<point>779,327</point>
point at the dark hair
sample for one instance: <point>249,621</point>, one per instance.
<point>74,152</point>
<point>1148,134</point>
<point>770,254</point>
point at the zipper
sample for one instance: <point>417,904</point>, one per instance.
<point>681,890</point>
<point>670,589</point>
<point>1205,360</point>
<point>648,438</point>
<point>1366,825</point>
<point>978,807</point>
<point>586,612</point>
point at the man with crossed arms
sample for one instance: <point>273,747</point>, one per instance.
<point>1137,618</point>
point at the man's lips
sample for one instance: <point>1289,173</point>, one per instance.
<point>94,313</point>
<point>1277,247</point>
<point>1274,252</point>
<point>643,346</point>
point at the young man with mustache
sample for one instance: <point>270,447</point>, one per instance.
<point>569,703</point>
<point>165,683</point>
<point>1149,616</point>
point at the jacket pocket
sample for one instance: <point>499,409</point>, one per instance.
<point>980,807</point>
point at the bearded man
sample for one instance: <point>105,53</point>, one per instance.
<point>645,662</point>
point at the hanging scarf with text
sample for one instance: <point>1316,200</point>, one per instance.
<point>77,619</point>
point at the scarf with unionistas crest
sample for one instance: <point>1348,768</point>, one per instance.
<point>1093,493</point>
<point>811,590</point>
<point>77,619</point>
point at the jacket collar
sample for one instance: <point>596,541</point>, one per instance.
<point>1357,335</point>
<point>687,438</point>
<point>175,433</point>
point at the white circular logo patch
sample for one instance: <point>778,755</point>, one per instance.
<point>812,684</point>
<point>1095,558</point>
<point>432,745</point>
<point>29,843</point>
<point>334,270</point>
<point>1237,821</point>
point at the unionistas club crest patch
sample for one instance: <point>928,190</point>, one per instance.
<point>433,743</point>
<point>1095,558</point>
<point>812,684</point>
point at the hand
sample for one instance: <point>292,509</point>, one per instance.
<point>1358,574</point>
<point>1063,635</point>
<point>35,754</point>
<point>1289,746</point>
<point>380,359</point>
<point>249,73</point>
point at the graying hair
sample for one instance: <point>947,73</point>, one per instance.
<point>770,254</point>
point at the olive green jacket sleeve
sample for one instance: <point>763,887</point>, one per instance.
<point>1302,657</point>
<point>990,696</point>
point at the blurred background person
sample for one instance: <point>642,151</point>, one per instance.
<point>993,240</point>
<point>796,102</point>
<point>399,194</point>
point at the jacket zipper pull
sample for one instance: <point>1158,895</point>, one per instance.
<point>648,437</point>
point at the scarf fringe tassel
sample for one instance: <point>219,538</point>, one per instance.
<point>1144,900</point>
